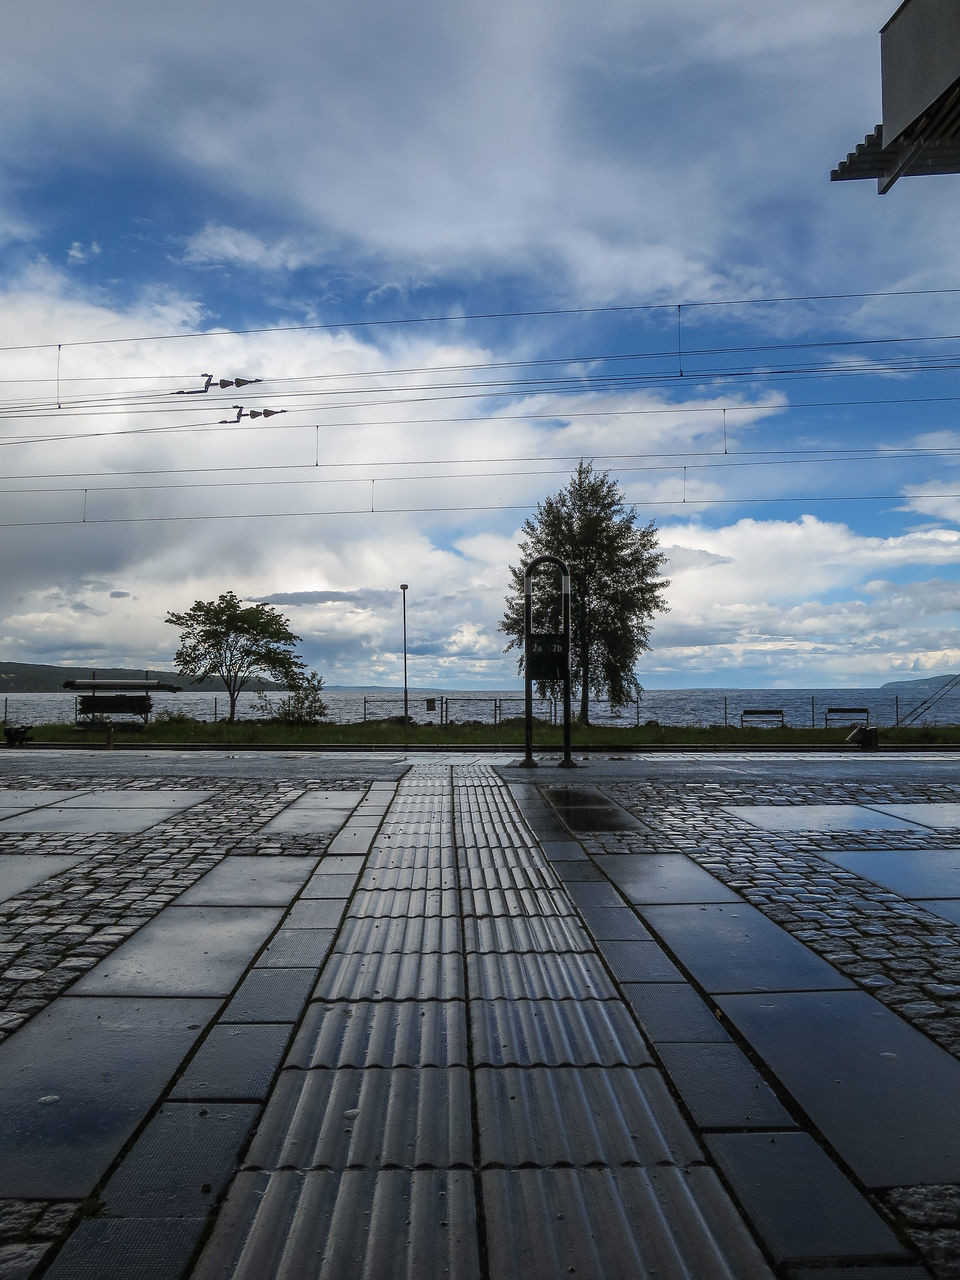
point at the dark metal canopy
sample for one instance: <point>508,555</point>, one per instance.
<point>920,133</point>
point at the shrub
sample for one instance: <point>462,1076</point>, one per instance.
<point>303,704</point>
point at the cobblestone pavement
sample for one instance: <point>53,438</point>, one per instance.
<point>452,909</point>
<point>900,952</point>
<point>53,932</point>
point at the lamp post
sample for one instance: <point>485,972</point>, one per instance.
<point>403,588</point>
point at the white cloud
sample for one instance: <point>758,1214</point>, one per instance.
<point>588,148</point>
<point>217,245</point>
<point>79,253</point>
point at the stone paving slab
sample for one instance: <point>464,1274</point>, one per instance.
<point>910,873</point>
<point>250,881</point>
<point>566,1092</point>
<point>30,797</point>
<point>734,947</point>
<point>77,1080</point>
<point>186,951</point>
<point>819,817</point>
<point>664,878</point>
<point>85,821</point>
<point>799,1200</point>
<point>884,1096</point>
<point>19,871</point>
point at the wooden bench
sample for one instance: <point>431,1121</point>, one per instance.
<point>17,735</point>
<point>846,715</point>
<point>123,704</point>
<point>104,697</point>
<point>759,717</point>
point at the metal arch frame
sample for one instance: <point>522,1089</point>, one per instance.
<point>528,761</point>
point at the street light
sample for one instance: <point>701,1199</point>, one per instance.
<point>403,588</point>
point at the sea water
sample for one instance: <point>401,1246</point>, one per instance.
<point>802,708</point>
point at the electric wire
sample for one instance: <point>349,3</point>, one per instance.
<point>492,315</point>
<point>641,505</point>
<point>726,464</point>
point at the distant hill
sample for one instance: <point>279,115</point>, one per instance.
<point>926,685</point>
<point>28,677</point>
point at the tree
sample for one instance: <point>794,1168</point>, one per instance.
<point>304,703</point>
<point>615,587</point>
<point>222,638</point>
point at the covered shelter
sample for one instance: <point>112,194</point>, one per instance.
<point>920,80</point>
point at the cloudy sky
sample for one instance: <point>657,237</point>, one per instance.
<point>462,246</point>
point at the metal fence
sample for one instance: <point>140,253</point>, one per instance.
<point>795,708</point>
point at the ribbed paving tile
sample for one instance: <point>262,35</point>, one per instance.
<point>548,1033</point>
<point>524,933</point>
<point>373,1119</point>
<point>576,1116</point>
<point>388,976</point>
<point>529,976</point>
<point>515,902</point>
<point>599,1224</point>
<point>478,856</point>
<point>410,933</point>
<point>430,877</point>
<point>382,1034</point>
<point>387,854</point>
<point>507,877</point>
<point>405,902</point>
<point>331,1226</point>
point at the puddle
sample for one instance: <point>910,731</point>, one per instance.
<point>587,809</point>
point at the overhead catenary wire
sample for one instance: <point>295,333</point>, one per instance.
<point>572,383</point>
<point>459,318</point>
<point>725,462</point>
<point>641,504</point>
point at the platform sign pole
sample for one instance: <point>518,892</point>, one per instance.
<point>528,761</point>
<point>546,657</point>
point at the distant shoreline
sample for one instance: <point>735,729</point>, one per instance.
<point>26,677</point>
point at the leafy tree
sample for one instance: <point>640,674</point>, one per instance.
<point>222,638</point>
<point>303,704</point>
<point>615,587</point>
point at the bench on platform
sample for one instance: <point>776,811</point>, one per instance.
<point>105,697</point>
<point>846,715</point>
<point>762,718</point>
<point>122,704</point>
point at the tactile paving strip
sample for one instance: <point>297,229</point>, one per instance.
<point>367,1158</point>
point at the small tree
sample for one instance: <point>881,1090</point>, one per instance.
<point>222,638</point>
<point>615,586</point>
<point>303,704</point>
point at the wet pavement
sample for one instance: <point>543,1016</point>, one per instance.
<point>347,1015</point>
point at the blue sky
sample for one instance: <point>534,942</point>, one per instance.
<point>285,193</point>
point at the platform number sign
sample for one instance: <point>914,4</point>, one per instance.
<point>547,656</point>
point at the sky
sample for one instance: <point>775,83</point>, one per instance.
<point>461,247</point>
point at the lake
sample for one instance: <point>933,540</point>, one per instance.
<point>801,707</point>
